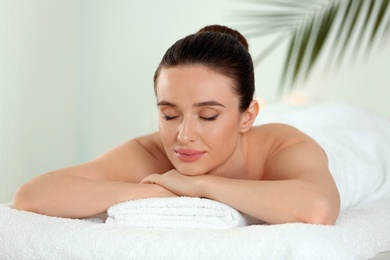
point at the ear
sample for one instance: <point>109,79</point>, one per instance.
<point>249,116</point>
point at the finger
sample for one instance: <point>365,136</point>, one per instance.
<point>150,179</point>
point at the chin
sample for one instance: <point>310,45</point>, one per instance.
<point>189,171</point>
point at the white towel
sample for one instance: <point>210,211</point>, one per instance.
<point>357,143</point>
<point>177,213</point>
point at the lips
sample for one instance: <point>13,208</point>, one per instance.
<point>188,155</point>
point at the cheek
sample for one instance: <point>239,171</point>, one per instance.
<point>222,135</point>
<point>167,133</point>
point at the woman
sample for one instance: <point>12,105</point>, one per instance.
<point>206,147</point>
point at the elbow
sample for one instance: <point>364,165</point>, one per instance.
<point>322,211</point>
<point>22,200</point>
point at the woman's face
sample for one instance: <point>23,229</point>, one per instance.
<point>199,118</point>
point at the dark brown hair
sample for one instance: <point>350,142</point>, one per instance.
<point>219,48</point>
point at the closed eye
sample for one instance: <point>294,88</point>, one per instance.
<point>212,118</point>
<point>167,118</point>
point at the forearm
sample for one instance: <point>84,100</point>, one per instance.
<point>272,201</point>
<point>77,197</point>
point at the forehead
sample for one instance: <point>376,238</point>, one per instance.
<point>195,81</point>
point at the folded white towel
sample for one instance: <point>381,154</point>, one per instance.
<point>177,213</point>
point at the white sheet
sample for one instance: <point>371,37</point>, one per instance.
<point>360,233</point>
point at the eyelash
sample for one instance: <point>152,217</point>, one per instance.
<point>167,118</point>
<point>210,118</point>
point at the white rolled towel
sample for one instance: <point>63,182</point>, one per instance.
<point>177,213</point>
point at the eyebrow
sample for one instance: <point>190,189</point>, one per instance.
<point>209,103</point>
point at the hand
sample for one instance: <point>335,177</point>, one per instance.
<point>175,182</point>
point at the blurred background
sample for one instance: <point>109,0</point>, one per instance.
<point>76,77</point>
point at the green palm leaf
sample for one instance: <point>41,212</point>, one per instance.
<point>343,27</point>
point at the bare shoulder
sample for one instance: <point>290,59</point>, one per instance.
<point>135,159</point>
<point>278,136</point>
<point>152,144</point>
<point>291,154</point>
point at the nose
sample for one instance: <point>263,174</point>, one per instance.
<point>187,132</point>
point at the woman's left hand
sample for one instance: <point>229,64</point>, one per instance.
<point>177,183</point>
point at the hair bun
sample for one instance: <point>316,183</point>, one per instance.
<point>226,30</point>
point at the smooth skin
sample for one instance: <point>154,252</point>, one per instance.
<point>206,148</point>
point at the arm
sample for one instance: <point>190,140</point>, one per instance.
<point>90,188</point>
<point>297,188</point>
